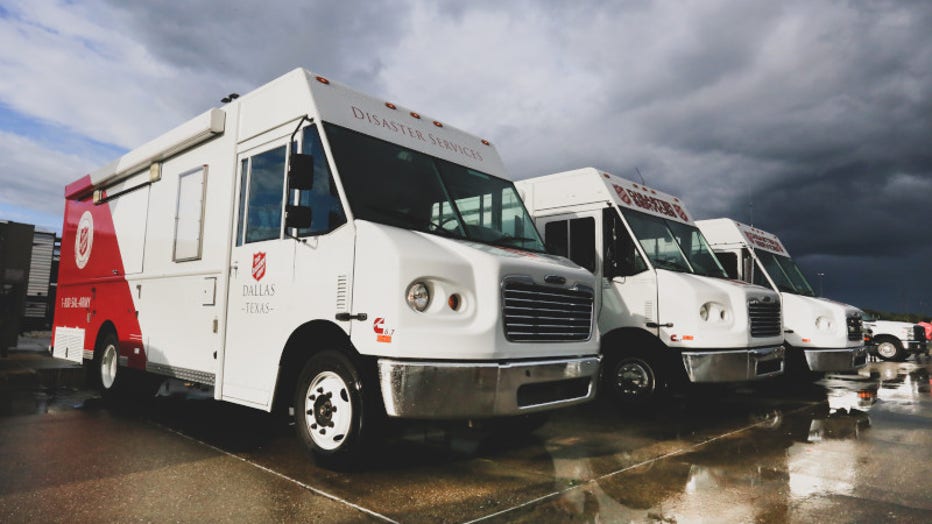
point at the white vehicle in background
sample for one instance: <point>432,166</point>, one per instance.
<point>821,335</point>
<point>894,340</point>
<point>667,310</point>
<point>309,246</point>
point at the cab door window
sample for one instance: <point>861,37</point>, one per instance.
<point>621,256</point>
<point>264,186</point>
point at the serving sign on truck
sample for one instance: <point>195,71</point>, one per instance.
<point>821,335</point>
<point>666,306</point>
<point>309,246</point>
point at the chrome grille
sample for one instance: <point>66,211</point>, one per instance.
<point>855,328</point>
<point>765,318</point>
<point>535,313</point>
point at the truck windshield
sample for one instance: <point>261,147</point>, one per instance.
<point>673,245</point>
<point>785,273</point>
<point>391,184</point>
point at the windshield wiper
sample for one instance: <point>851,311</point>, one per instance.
<point>672,265</point>
<point>416,223</point>
<point>514,240</point>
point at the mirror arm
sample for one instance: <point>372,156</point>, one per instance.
<point>298,128</point>
<point>299,239</point>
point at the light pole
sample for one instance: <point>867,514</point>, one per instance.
<point>820,275</point>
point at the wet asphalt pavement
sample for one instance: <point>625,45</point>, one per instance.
<point>847,448</point>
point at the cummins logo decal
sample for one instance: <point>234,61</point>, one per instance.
<point>84,240</point>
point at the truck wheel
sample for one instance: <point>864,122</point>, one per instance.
<point>108,377</point>
<point>331,412</point>
<point>890,349</point>
<point>634,380</point>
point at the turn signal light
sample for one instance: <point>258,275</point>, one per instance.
<point>454,302</point>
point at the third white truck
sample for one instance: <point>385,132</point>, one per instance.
<point>821,335</point>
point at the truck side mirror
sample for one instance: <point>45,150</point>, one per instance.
<point>300,172</point>
<point>297,216</point>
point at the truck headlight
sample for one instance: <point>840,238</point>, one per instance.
<point>713,312</point>
<point>418,296</point>
<point>823,323</point>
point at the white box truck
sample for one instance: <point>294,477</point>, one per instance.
<point>821,335</point>
<point>307,245</point>
<point>666,308</point>
<point>895,340</point>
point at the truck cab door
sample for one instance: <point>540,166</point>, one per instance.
<point>630,297</point>
<point>281,277</point>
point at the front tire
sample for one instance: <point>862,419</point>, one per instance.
<point>331,413</point>
<point>634,380</point>
<point>891,349</point>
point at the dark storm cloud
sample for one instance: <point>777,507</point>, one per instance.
<point>810,119</point>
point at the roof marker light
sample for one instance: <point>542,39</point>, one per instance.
<point>438,124</point>
<point>323,80</point>
<point>415,115</point>
<point>390,105</point>
<point>486,142</point>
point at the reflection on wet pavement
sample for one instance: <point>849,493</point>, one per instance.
<point>845,448</point>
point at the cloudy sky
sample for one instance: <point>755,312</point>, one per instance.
<point>811,119</point>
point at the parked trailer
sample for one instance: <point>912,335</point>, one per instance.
<point>309,245</point>
<point>666,307</point>
<point>821,335</point>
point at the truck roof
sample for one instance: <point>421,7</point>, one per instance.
<point>285,100</point>
<point>728,231</point>
<point>590,185</point>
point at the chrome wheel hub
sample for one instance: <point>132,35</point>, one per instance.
<point>328,410</point>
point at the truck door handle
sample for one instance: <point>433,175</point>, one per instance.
<point>343,317</point>
<point>656,325</point>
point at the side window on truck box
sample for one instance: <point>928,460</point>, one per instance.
<point>326,210</point>
<point>557,238</point>
<point>729,263</point>
<point>189,215</point>
<point>574,239</point>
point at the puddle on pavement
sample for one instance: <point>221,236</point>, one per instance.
<point>38,401</point>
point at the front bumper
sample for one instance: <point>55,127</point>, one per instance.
<point>917,346</point>
<point>844,359</point>
<point>740,365</point>
<point>456,390</point>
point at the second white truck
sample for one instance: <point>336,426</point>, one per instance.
<point>821,335</point>
<point>667,309</point>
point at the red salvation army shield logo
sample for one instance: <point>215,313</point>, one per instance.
<point>84,240</point>
<point>258,266</point>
